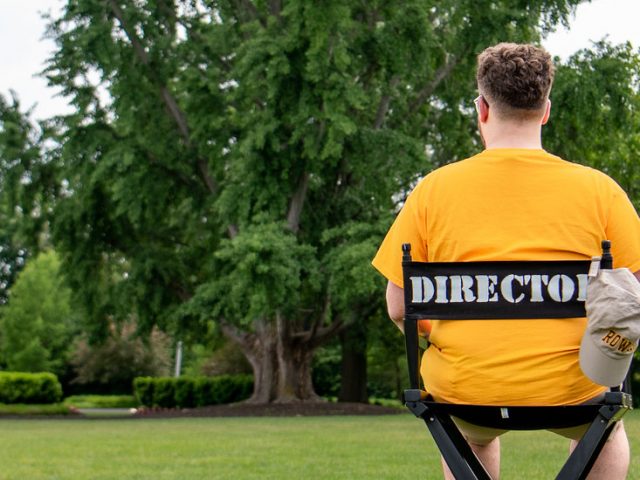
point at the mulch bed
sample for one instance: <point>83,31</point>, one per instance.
<point>243,409</point>
<point>302,409</point>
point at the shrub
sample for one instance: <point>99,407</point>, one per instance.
<point>187,392</point>
<point>143,390</point>
<point>164,392</point>
<point>20,387</point>
<point>123,356</point>
<point>204,391</point>
<point>184,392</point>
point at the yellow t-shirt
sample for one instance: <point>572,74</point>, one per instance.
<point>510,204</point>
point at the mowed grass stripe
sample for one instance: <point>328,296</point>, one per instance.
<point>367,447</point>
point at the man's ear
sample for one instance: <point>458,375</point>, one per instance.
<point>483,110</point>
<point>547,112</point>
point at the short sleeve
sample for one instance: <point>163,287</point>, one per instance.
<point>623,229</point>
<point>408,227</point>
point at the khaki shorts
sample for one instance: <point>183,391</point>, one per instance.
<point>483,435</point>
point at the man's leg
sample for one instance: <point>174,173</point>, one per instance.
<point>613,461</point>
<point>489,456</point>
<point>484,442</point>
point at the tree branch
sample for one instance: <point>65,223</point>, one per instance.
<point>329,332</point>
<point>297,202</point>
<point>250,11</point>
<point>167,7</point>
<point>168,99</point>
<point>310,335</point>
<point>182,293</point>
<point>385,101</point>
<point>442,73</point>
<point>234,334</point>
<point>275,7</point>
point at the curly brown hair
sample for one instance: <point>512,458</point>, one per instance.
<point>515,79</point>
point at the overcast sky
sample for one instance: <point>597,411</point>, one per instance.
<point>23,50</point>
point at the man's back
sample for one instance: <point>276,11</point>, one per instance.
<point>513,201</point>
<point>509,204</point>
<point>519,204</point>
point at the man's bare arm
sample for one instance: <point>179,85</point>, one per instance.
<point>395,308</point>
<point>395,304</point>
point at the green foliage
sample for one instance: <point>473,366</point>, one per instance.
<point>188,392</point>
<point>111,365</point>
<point>185,392</point>
<point>38,322</point>
<point>101,401</point>
<point>326,370</point>
<point>261,272</point>
<point>251,120</point>
<point>18,387</point>
<point>349,250</point>
<point>226,359</point>
<point>601,117</point>
<point>386,360</point>
<point>30,410</point>
<point>29,182</point>
<point>143,390</point>
<point>248,156</point>
<point>164,390</point>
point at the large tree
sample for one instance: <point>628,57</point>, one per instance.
<point>233,164</point>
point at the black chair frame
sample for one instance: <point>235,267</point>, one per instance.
<point>463,463</point>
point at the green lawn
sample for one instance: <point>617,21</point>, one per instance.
<point>382,447</point>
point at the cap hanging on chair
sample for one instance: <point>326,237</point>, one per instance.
<point>613,324</point>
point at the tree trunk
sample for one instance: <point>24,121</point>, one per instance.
<point>263,359</point>
<point>353,387</point>
<point>294,367</point>
<point>281,363</point>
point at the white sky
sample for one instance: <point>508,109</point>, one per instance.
<point>23,50</point>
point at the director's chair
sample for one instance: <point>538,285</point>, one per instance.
<point>442,291</point>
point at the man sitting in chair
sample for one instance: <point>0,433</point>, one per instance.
<point>513,201</point>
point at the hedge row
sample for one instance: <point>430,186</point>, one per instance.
<point>189,392</point>
<point>21,387</point>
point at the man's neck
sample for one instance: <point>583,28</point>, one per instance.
<point>509,135</point>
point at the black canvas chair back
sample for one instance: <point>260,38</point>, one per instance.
<point>460,291</point>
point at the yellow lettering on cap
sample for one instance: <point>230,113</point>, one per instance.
<point>618,342</point>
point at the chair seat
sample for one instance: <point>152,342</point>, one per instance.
<point>520,417</point>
